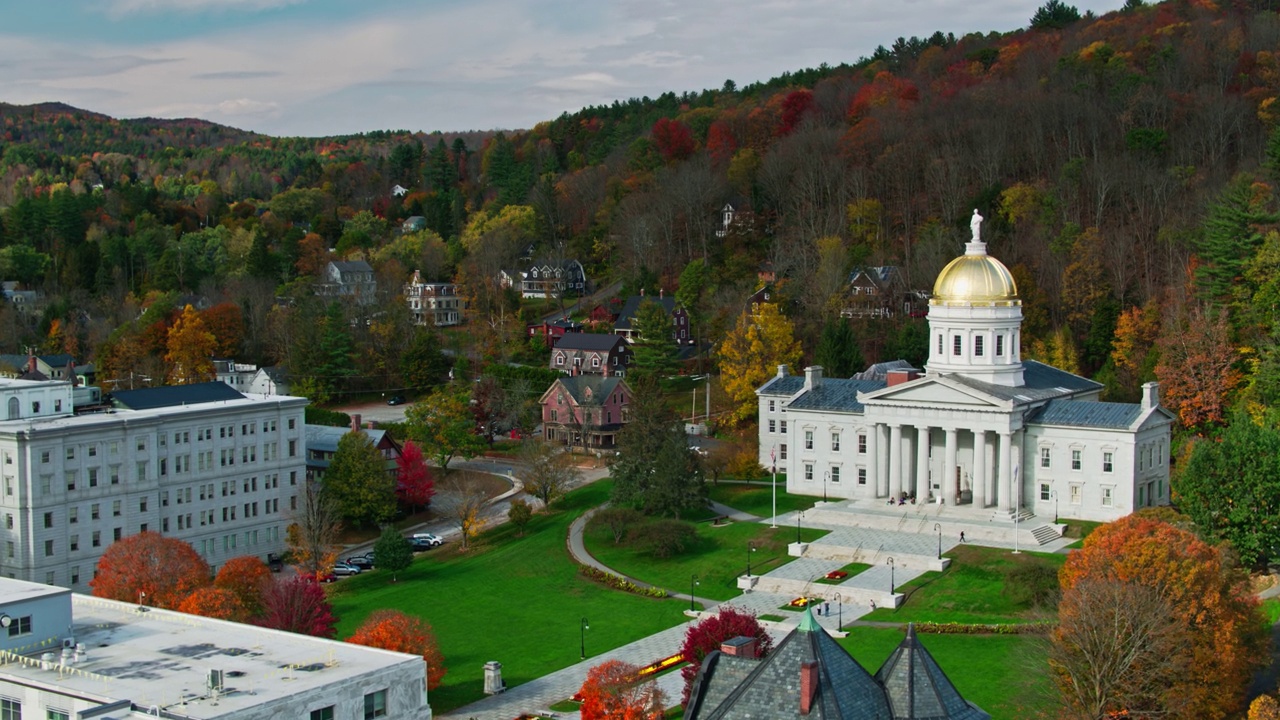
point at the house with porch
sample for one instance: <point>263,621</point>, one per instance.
<point>681,332</point>
<point>591,354</point>
<point>585,410</point>
<point>435,304</point>
<point>349,279</point>
<point>881,292</point>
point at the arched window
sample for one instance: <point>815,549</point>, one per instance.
<point>13,408</point>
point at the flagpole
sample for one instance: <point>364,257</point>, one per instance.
<point>773,457</point>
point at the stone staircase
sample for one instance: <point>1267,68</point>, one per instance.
<point>1046,534</point>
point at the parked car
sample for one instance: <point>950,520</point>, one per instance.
<point>275,562</point>
<point>325,577</point>
<point>419,545</point>
<point>343,569</point>
<point>361,561</point>
<point>428,538</point>
<point>396,400</point>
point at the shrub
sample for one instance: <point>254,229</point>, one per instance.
<point>618,582</point>
<point>1034,585</point>
<point>618,520</point>
<point>664,538</point>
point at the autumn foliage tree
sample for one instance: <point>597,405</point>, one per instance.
<point>150,569</point>
<point>247,578</point>
<point>190,349</point>
<point>1202,640</point>
<point>613,691</point>
<point>673,139</point>
<point>1197,367</point>
<point>759,342</point>
<point>394,630</point>
<point>414,484</point>
<point>214,602</point>
<point>707,634</point>
<point>298,605</point>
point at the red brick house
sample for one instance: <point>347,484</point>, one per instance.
<point>585,410</point>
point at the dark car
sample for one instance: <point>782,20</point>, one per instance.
<point>396,400</point>
<point>420,545</point>
<point>361,561</point>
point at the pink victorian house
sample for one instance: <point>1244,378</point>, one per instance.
<point>585,410</point>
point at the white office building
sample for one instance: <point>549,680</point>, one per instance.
<point>980,428</point>
<point>203,463</point>
<point>65,655</point>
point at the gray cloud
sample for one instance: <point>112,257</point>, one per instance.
<point>237,75</point>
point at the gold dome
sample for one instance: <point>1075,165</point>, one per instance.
<point>974,277</point>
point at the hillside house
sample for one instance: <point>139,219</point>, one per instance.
<point>433,304</point>
<point>680,330</point>
<point>349,279</point>
<point>881,292</point>
<point>322,445</point>
<point>552,330</point>
<point>586,410</point>
<point>591,354</point>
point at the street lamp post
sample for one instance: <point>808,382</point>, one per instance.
<point>750,549</point>
<point>693,584</point>
<point>1054,494</point>
<point>840,612</point>
<point>938,527</point>
<point>825,477</point>
<point>891,583</point>
<point>584,627</point>
<point>799,516</point>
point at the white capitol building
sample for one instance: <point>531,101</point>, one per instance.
<point>980,428</point>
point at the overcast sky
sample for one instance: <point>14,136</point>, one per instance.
<point>324,67</point>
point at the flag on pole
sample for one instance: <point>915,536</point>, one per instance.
<point>773,457</point>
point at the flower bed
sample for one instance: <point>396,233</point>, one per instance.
<point>801,603</point>
<point>836,575</point>
<point>979,629</point>
<point>663,664</point>
<point>620,583</point>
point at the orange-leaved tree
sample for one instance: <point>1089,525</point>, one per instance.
<point>613,691</point>
<point>150,569</point>
<point>394,630</point>
<point>214,602</point>
<point>247,578</point>
<point>190,346</point>
<point>1208,628</point>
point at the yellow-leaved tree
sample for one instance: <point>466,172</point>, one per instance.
<point>750,353</point>
<point>190,346</point>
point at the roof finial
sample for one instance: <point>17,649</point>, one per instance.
<point>976,226</point>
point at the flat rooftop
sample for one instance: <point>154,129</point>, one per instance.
<point>163,658</point>
<point>113,416</point>
<point>12,591</point>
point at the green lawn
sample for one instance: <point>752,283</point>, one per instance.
<point>1005,675</point>
<point>718,559</point>
<point>757,499</point>
<point>515,600</point>
<point>1271,609</point>
<point>972,590</point>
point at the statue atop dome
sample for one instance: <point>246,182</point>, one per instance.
<point>976,226</point>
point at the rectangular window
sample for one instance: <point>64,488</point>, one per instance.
<point>74,543</point>
<point>772,405</point>
<point>115,508</point>
<point>808,439</point>
<point>94,511</point>
<point>322,713</point>
<point>957,345</point>
<point>142,471</point>
<point>1106,462</point>
<point>375,705</point>
<point>835,473</point>
<point>999,346</point>
<point>71,481</point>
<point>93,477</point>
<point>1106,497</point>
<point>48,519</point>
<point>1075,494</point>
<point>1044,491</point>
<point>97,538</point>
<point>115,534</point>
<point>18,627</point>
<point>73,514</point>
<point>835,442</point>
<point>1075,460</point>
<point>782,427</point>
<point>782,451</point>
<point>44,456</point>
<point>93,451</point>
<point>939,344</point>
<point>71,453</point>
<point>1142,496</point>
<point>51,714</point>
<point>862,476</point>
<point>1044,457</point>
<point>977,345</point>
<point>10,709</point>
<point>808,472</point>
<point>862,444</point>
<point>773,425</point>
<point>291,423</point>
<point>48,548</point>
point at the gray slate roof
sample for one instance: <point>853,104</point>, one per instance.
<point>786,386</point>
<point>325,437</point>
<point>175,395</point>
<point>1085,414</point>
<point>880,370</point>
<point>835,394</point>
<point>352,266</point>
<point>633,304</point>
<point>918,689</point>
<point>599,387</point>
<point>1041,382</point>
<point>588,341</point>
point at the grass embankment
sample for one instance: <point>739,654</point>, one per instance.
<point>976,588</point>
<point>718,557</point>
<point>1003,674</point>
<point>757,498</point>
<point>492,485</point>
<point>517,600</point>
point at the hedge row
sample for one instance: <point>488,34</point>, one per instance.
<point>953,628</point>
<point>618,582</point>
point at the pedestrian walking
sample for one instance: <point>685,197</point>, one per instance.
<point>826,609</point>
<point>873,605</point>
<point>961,536</point>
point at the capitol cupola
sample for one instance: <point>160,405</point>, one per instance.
<point>975,317</point>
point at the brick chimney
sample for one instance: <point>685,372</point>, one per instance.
<point>355,423</point>
<point>1150,395</point>
<point>368,425</point>
<point>741,646</point>
<point>808,686</point>
<point>904,375</point>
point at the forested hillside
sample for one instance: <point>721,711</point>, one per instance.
<point>1125,165</point>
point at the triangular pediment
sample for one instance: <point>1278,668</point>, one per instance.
<point>934,391</point>
<point>1159,417</point>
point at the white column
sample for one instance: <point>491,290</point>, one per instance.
<point>1015,480</point>
<point>895,461</point>
<point>922,464</point>
<point>1003,477</point>
<point>873,464</point>
<point>979,482</point>
<point>882,460</point>
<point>948,484</point>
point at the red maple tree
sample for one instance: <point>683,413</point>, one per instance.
<point>794,107</point>
<point>298,605</point>
<point>247,578</point>
<point>612,692</point>
<point>150,569</point>
<point>394,630</point>
<point>706,635</point>
<point>214,602</point>
<point>414,484</point>
<point>673,139</point>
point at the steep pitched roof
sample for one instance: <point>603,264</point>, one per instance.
<point>175,395</point>
<point>917,687</point>
<point>633,305</point>
<point>352,266</point>
<point>588,389</point>
<point>785,385</point>
<point>1085,414</point>
<point>588,341</point>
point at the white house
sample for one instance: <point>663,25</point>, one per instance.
<point>979,428</point>
<point>433,303</point>
<point>74,656</point>
<point>203,463</point>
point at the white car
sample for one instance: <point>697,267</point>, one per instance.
<point>428,538</point>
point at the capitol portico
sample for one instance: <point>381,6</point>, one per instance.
<point>980,428</point>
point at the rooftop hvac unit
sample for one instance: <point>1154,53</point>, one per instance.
<point>215,679</point>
